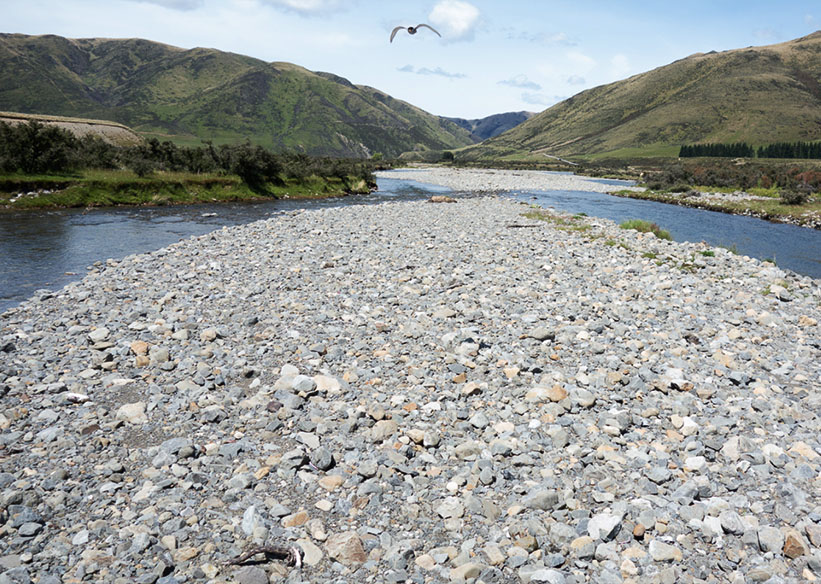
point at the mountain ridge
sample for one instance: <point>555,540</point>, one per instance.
<point>757,95</point>
<point>191,95</point>
<point>493,125</point>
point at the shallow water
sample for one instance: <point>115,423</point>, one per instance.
<point>49,249</point>
<point>793,248</point>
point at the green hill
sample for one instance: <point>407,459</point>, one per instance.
<point>757,95</point>
<point>203,94</point>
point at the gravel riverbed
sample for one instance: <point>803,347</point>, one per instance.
<point>496,181</point>
<point>415,392</point>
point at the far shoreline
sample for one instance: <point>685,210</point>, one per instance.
<point>703,202</point>
<point>173,193</point>
<point>50,194</point>
<point>506,180</point>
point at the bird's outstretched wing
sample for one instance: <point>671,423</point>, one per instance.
<point>397,29</point>
<point>430,27</point>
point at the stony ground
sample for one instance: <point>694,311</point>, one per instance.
<point>415,392</point>
<point>494,180</point>
<point>499,181</point>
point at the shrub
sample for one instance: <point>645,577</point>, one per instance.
<point>797,196</point>
<point>647,227</point>
<point>254,165</point>
<point>35,148</point>
<point>142,167</point>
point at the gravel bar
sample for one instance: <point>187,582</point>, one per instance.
<point>415,392</point>
<point>496,181</point>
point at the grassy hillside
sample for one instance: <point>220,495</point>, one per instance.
<point>203,94</point>
<point>757,95</point>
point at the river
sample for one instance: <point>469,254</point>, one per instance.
<point>49,249</point>
<point>791,247</point>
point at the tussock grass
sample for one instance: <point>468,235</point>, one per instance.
<point>574,223</point>
<point>647,227</point>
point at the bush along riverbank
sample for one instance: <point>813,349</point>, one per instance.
<point>115,188</point>
<point>778,190</point>
<point>772,206</point>
<point>424,392</point>
<point>44,166</point>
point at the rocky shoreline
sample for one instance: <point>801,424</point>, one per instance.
<point>498,181</point>
<point>415,392</point>
<point>481,180</point>
<point>735,203</point>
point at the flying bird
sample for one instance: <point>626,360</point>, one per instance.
<point>413,29</point>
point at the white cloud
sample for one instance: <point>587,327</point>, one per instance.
<point>456,19</point>
<point>308,7</point>
<point>427,71</point>
<point>543,38</point>
<point>175,4</point>
<point>540,99</point>
<point>581,62</point>
<point>620,66</point>
<point>521,81</point>
<point>576,80</point>
<point>766,34</point>
<point>558,38</point>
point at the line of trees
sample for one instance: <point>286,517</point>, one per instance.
<point>35,148</point>
<point>791,150</point>
<point>735,150</point>
<point>744,150</point>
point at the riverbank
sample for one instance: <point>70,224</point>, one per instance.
<point>415,391</point>
<point>738,203</point>
<point>479,180</point>
<point>123,188</point>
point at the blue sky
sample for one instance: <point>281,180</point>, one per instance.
<point>494,55</point>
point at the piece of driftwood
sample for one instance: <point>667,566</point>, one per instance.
<point>291,555</point>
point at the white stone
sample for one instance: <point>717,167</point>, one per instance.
<point>133,413</point>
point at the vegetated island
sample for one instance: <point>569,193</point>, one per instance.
<point>43,165</point>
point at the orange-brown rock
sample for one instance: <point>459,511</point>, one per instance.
<point>794,544</point>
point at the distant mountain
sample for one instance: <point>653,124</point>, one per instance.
<point>204,94</point>
<point>757,95</point>
<point>494,125</point>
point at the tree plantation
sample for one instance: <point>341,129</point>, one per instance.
<point>743,150</point>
